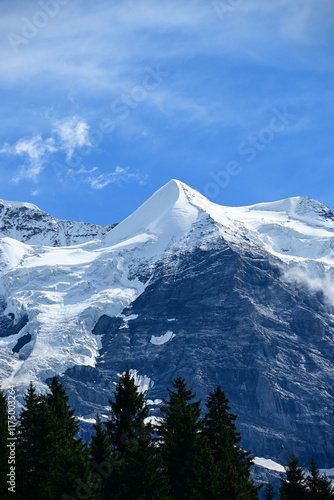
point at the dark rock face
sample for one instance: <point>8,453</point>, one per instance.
<point>237,323</point>
<point>8,326</point>
<point>24,340</point>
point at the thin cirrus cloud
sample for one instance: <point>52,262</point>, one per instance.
<point>102,180</point>
<point>98,181</point>
<point>66,54</point>
<point>76,51</point>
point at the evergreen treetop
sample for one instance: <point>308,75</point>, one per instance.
<point>318,485</point>
<point>128,413</point>
<point>269,492</point>
<point>293,487</point>
<point>136,473</point>
<point>186,459</point>
<point>232,462</point>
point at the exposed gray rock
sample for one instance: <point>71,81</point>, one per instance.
<point>237,324</point>
<point>27,223</point>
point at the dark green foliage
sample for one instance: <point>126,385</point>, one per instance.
<point>189,458</point>
<point>128,412</point>
<point>319,486</point>
<point>51,460</point>
<point>32,442</point>
<point>99,449</point>
<point>67,455</point>
<point>232,462</point>
<point>135,474</point>
<point>293,487</point>
<point>269,492</point>
<point>100,455</point>
<point>186,458</point>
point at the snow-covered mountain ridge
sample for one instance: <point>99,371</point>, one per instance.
<point>241,296</point>
<point>27,223</point>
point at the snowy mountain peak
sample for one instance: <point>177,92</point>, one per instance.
<point>166,216</point>
<point>297,207</point>
<point>282,227</point>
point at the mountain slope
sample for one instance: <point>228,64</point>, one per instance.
<point>240,296</point>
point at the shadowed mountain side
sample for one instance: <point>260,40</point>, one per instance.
<point>238,324</point>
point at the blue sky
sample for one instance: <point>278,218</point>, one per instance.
<point>104,102</point>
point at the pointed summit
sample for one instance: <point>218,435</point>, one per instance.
<point>166,216</point>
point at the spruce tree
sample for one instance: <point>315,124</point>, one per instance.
<point>128,412</point>
<point>32,441</point>
<point>4,466</point>
<point>319,486</point>
<point>135,472</point>
<point>269,492</point>
<point>51,461</point>
<point>67,455</point>
<point>100,456</point>
<point>231,460</point>
<point>186,458</point>
<point>293,486</point>
<point>99,448</point>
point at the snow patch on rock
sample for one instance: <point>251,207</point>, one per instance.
<point>163,338</point>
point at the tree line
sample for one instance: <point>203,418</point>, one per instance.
<point>176,457</point>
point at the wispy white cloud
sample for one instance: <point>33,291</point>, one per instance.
<point>317,279</point>
<point>68,135</point>
<point>35,151</point>
<point>100,181</point>
<point>72,133</point>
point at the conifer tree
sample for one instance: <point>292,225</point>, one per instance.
<point>51,461</point>
<point>32,440</point>
<point>269,492</point>
<point>99,448</point>
<point>100,456</point>
<point>232,461</point>
<point>186,458</point>
<point>135,472</point>
<point>68,460</point>
<point>319,486</point>
<point>293,486</point>
<point>128,412</point>
<point>4,466</point>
